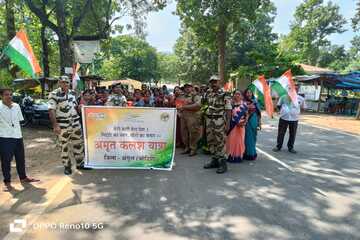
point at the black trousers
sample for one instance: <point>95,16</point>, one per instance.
<point>10,147</point>
<point>283,125</point>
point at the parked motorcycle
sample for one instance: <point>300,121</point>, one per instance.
<point>35,112</point>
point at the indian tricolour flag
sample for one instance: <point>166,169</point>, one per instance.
<point>286,86</point>
<point>76,77</point>
<point>262,92</point>
<point>20,52</point>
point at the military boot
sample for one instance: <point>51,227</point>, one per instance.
<point>223,166</point>
<point>212,164</point>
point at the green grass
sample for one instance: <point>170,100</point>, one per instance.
<point>163,158</point>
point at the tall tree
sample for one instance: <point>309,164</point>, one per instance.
<point>355,48</point>
<point>212,19</point>
<point>253,43</point>
<point>314,22</point>
<point>168,67</point>
<point>82,20</point>
<point>64,32</point>
<point>196,61</point>
<point>334,57</point>
<point>10,30</point>
<point>356,19</point>
<point>131,57</point>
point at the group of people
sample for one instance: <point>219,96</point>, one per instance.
<point>340,105</point>
<point>208,117</point>
<point>226,124</point>
<point>223,123</point>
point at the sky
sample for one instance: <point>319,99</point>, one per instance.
<point>163,26</point>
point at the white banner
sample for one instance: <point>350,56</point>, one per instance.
<point>85,50</point>
<point>117,137</point>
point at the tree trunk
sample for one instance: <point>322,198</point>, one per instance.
<point>358,112</point>
<point>11,32</point>
<point>222,51</point>
<point>65,48</point>
<point>10,19</point>
<point>66,53</point>
<point>45,52</point>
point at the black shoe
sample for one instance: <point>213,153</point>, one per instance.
<point>223,167</point>
<point>67,171</point>
<point>186,152</point>
<point>212,164</point>
<point>192,153</point>
<point>82,167</point>
<point>292,151</point>
<point>276,149</point>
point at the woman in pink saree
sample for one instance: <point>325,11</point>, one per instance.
<point>235,143</point>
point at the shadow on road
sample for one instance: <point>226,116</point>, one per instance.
<point>254,200</point>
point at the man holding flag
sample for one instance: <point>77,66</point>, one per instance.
<point>290,105</point>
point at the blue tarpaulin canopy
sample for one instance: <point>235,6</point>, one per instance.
<point>350,81</point>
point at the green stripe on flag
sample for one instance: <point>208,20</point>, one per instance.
<point>277,87</point>
<point>19,60</point>
<point>259,96</point>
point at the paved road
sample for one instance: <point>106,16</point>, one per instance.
<point>312,195</point>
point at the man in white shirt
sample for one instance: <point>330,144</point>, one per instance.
<point>11,141</point>
<point>289,117</point>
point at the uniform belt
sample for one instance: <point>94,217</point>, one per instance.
<point>214,116</point>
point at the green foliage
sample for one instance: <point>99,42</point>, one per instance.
<point>335,57</point>
<point>24,18</point>
<point>213,20</point>
<point>251,47</point>
<point>196,63</point>
<point>163,158</point>
<point>204,16</point>
<point>356,19</point>
<point>130,57</point>
<point>314,22</point>
<point>6,78</point>
<point>168,67</point>
<point>354,51</point>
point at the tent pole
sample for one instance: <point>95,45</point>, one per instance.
<point>358,112</point>
<point>321,89</point>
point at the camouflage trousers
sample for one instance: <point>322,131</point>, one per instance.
<point>190,130</point>
<point>215,136</point>
<point>72,144</point>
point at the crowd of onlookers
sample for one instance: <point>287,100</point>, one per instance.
<point>119,95</point>
<point>341,105</point>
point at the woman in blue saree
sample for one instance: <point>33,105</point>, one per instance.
<point>252,125</point>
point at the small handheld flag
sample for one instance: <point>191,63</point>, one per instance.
<point>285,85</point>
<point>263,94</point>
<point>75,76</point>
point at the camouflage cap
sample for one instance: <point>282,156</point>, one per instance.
<point>64,79</point>
<point>214,78</point>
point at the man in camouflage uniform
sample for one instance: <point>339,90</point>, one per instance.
<point>117,97</point>
<point>190,120</point>
<point>66,123</point>
<point>217,116</point>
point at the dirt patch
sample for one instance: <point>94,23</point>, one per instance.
<point>343,123</point>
